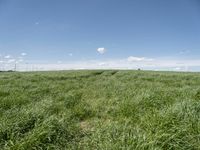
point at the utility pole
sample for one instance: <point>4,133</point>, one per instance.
<point>15,69</point>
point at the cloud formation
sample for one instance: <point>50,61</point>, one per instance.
<point>23,54</point>
<point>101,50</point>
<point>20,60</point>
<point>131,62</point>
<point>11,60</point>
<point>7,56</point>
<point>102,64</point>
<point>138,59</point>
<point>144,64</point>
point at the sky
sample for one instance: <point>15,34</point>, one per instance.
<point>96,34</point>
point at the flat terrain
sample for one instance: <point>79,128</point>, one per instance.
<point>100,110</point>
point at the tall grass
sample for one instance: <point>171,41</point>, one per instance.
<point>100,110</point>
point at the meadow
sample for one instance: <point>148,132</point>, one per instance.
<point>100,109</point>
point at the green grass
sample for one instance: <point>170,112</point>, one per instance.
<point>100,110</point>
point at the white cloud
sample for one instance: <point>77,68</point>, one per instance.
<point>7,56</point>
<point>70,54</point>
<point>132,58</point>
<point>23,54</point>
<point>20,60</point>
<point>11,60</point>
<point>125,63</point>
<point>102,64</point>
<point>138,59</point>
<point>101,50</point>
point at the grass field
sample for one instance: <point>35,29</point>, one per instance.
<point>100,110</point>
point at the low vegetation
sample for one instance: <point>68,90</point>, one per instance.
<point>99,110</point>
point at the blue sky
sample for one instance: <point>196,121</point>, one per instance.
<point>71,31</point>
